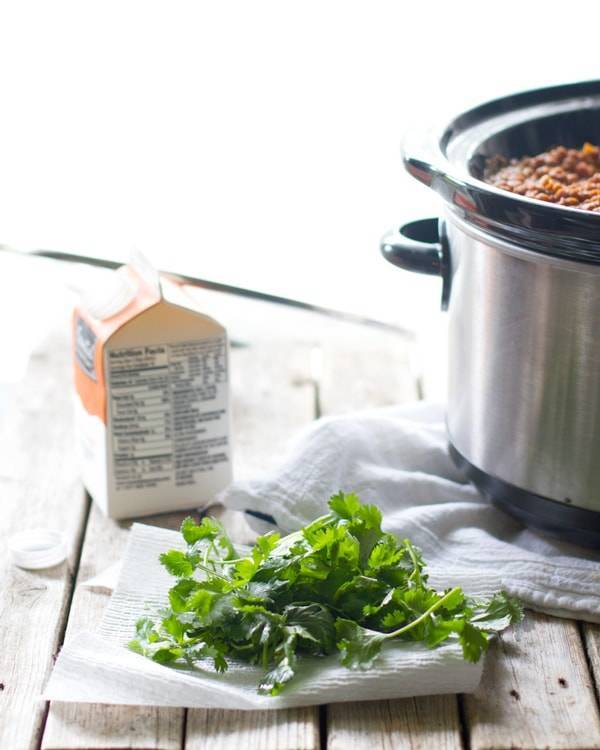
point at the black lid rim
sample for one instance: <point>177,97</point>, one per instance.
<point>518,100</point>
<point>559,231</point>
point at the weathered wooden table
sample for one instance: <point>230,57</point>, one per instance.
<point>540,686</point>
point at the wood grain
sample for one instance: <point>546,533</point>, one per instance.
<point>71,726</point>
<point>591,636</point>
<point>415,723</point>
<point>352,381</point>
<point>79,725</point>
<point>39,487</point>
<point>361,368</point>
<point>536,691</point>
<point>288,729</point>
<point>273,398</point>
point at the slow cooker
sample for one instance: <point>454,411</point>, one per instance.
<point>521,284</point>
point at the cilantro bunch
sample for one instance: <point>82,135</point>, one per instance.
<point>339,584</point>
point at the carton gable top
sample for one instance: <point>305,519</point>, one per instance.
<point>147,295</point>
<point>92,334</point>
<point>172,319</point>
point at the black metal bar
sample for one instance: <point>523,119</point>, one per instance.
<point>217,286</point>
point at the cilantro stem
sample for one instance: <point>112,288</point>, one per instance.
<point>424,616</point>
<point>212,572</point>
<point>416,572</point>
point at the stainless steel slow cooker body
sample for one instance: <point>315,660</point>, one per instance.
<point>521,283</point>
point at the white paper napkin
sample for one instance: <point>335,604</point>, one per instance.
<point>397,458</point>
<point>106,580</point>
<point>98,668</point>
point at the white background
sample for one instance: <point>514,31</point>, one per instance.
<point>254,142</point>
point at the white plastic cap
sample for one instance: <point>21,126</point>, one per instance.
<point>37,548</point>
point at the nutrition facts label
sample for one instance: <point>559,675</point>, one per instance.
<point>168,412</point>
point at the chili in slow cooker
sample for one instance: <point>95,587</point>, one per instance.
<point>567,176</point>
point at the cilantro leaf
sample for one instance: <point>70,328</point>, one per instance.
<point>386,553</point>
<point>179,594</point>
<point>316,621</point>
<point>345,506</point>
<point>358,646</point>
<point>473,641</point>
<point>266,543</point>
<point>497,614</point>
<point>208,534</point>
<point>284,670</point>
<point>391,620</point>
<point>192,531</point>
<point>177,563</point>
<point>358,592</point>
<point>439,630</point>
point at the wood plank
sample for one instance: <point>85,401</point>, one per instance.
<point>272,399</point>
<point>288,729</point>
<point>80,725</point>
<point>361,368</point>
<point>39,486</point>
<point>273,396</point>
<point>591,637</point>
<point>72,726</point>
<point>415,723</point>
<point>370,370</point>
<point>536,691</point>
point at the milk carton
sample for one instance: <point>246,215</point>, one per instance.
<point>152,397</point>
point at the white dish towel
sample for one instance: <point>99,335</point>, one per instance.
<point>397,458</point>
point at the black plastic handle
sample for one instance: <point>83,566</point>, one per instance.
<point>420,246</point>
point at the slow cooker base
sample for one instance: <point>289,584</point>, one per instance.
<point>566,522</point>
